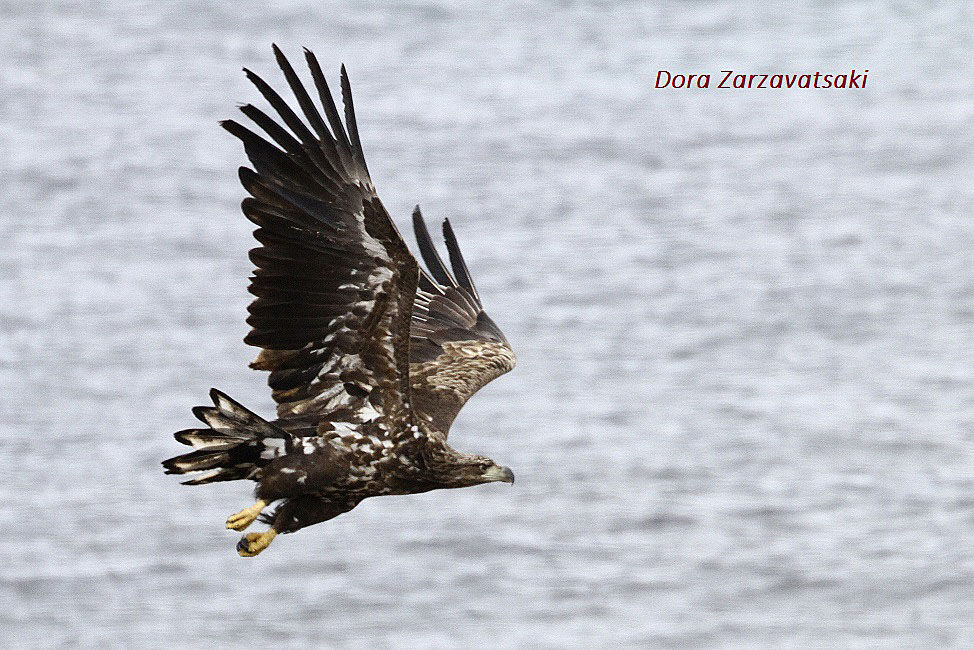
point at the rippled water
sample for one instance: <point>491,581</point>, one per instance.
<point>743,412</point>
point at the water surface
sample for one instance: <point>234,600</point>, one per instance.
<point>743,411</point>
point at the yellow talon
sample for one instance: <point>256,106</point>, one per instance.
<point>246,516</point>
<point>252,544</point>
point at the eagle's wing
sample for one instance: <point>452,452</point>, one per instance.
<point>335,282</point>
<point>455,348</point>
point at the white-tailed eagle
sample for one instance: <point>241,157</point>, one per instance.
<point>370,356</point>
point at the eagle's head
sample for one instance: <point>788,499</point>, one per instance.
<point>452,469</point>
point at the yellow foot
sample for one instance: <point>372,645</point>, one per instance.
<point>245,517</point>
<point>252,544</point>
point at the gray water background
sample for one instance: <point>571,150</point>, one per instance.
<point>743,411</point>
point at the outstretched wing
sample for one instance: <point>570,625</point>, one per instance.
<point>335,282</point>
<point>455,348</point>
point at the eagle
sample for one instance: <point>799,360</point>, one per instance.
<point>370,356</point>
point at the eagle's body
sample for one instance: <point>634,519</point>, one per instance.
<point>370,357</point>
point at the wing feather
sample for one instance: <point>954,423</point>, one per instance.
<point>460,270</point>
<point>334,282</point>
<point>427,249</point>
<point>455,348</point>
<point>351,328</point>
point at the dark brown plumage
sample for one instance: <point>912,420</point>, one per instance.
<point>370,356</point>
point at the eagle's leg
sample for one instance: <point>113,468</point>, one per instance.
<point>246,516</point>
<point>292,515</point>
<point>252,544</point>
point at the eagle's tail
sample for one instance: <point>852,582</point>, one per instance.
<point>237,443</point>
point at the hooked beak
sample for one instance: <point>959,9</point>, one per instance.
<point>499,474</point>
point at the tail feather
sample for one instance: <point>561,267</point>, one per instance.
<point>228,416</point>
<point>213,477</point>
<point>206,438</point>
<point>237,444</point>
